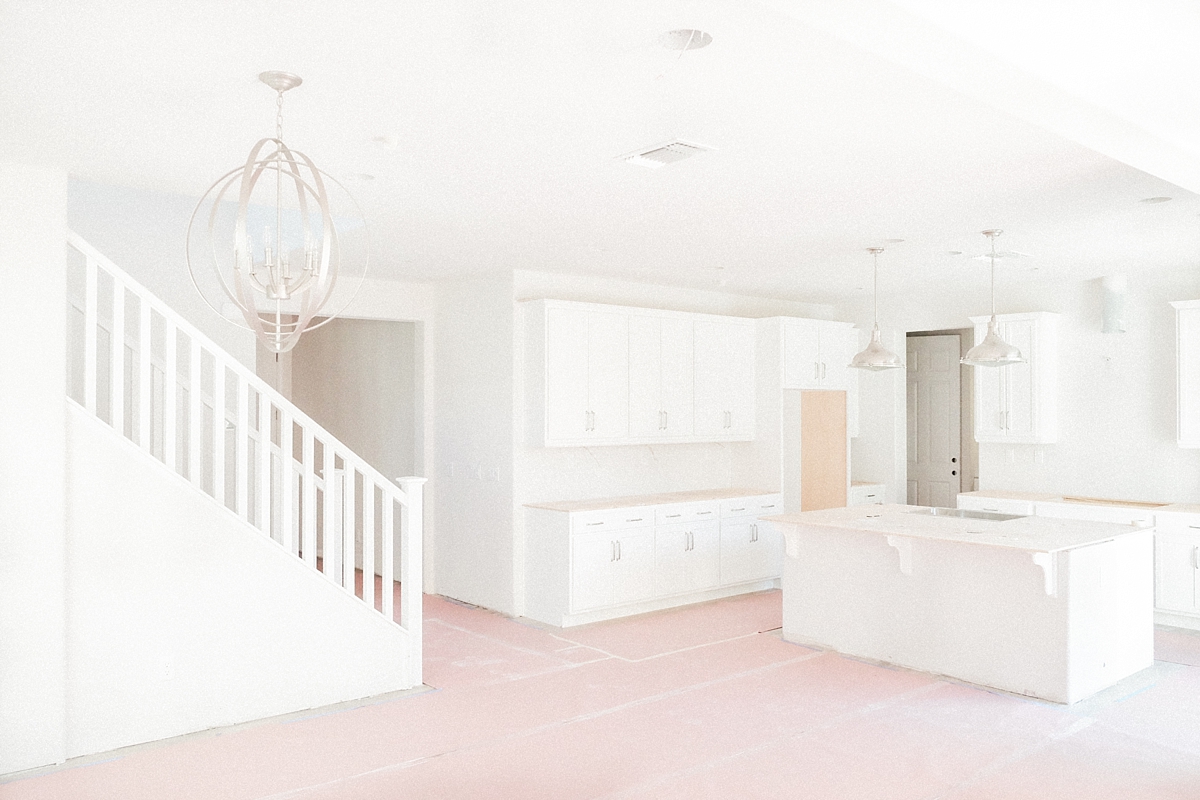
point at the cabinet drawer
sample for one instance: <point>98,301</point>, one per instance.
<point>1176,522</point>
<point>686,512</point>
<point>612,519</point>
<point>757,506</point>
<point>865,494</point>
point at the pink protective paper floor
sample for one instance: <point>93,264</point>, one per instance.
<point>701,702</point>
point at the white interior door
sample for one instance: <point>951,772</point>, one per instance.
<point>934,413</point>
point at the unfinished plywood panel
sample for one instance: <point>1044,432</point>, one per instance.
<point>822,450</point>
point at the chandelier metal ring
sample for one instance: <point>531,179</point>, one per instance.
<point>277,300</point>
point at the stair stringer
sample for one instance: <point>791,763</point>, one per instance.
<point>183,617</point>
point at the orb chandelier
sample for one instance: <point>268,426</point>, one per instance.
<point>876,357</point>
<point>993,351</point>
<point>282,280</point>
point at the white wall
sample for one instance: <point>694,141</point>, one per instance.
<point>357,379</point>
<point>1116,393</point>
<point>144,233</point>
<point>33,216</point>
<point>473,485</point>
<point>181,617</point>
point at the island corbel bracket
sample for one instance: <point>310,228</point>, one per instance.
<point>1049,565</point>
<point>903,546</point>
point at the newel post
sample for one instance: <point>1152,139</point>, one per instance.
<point>412,531</point>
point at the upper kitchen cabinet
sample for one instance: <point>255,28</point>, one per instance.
<point>817,354</point>
<point>1187,372</point>
<point>660,377</point>
<point>600,374</point>
<point>724,378</point>
<point>584,375</point>
<point>1018,403</point>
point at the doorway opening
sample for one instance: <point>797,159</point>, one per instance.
<point>943,458</point>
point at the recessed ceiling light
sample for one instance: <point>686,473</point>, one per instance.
<point>1154,200</point>
<point>893,241</point>
<point>955,252</point>
<point>685,39</point>
<point>388,141</point>
<point>663,154</point>
<point>361,177</point>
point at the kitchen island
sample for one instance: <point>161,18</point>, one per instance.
<point>1051,608</point>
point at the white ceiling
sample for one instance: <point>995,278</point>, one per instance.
<point>838,124</point>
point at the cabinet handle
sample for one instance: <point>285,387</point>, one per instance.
<point>772,505</point>
<point>816,370</point>
<point>673,516</point>
<point>737,509</point>
<point>590,524</point>
<point>822,371</point>
<point>753,532</point>
<point>613,557</point>
<point>665,423</point>
<point>691,541</point>
<point>1196,558</point>
<point>702,513</point>
<point>1194,526</point>
<point>639,519</point>
<point>618,549</point>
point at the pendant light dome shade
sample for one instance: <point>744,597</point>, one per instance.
<point>993,351</point>
<point>876,357</point>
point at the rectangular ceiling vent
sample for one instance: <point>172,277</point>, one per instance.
<point>663,154</point>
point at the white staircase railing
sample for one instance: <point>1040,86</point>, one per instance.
<point>163,385</point>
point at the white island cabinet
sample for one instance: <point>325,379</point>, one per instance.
<point>1050,608</point>
<point>600,559</point>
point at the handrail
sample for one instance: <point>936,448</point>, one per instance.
<point>181,415</point>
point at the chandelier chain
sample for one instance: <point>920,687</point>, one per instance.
<point>279,116</point>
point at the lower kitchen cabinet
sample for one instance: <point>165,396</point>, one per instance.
<point>585,562</point>
<point>1177,566</point>
<point>610,568</point>
<point>687,557</point>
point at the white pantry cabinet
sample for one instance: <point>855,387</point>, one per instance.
<point>1018,403</point>
<point>1187,372</point>
<point>586,562</point>
<point>724,378</point>
<point>660,377</point>
<point>599,374</point>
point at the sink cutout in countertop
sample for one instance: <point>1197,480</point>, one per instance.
<point>963,513</point>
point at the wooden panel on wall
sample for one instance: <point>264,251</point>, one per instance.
<point>822,450</point>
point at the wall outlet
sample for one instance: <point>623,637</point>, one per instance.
<point>494,474</point>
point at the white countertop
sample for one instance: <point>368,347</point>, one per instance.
<point>605,503</point>
<point>1187,508</point>
<point>1031,534</point>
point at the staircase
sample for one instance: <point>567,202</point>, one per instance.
<point>268,472</point>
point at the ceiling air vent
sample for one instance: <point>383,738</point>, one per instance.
<point>663,154</point>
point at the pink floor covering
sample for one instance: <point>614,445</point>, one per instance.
<point>701,702</point>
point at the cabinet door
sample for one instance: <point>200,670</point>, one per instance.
<point>724,379</point>
<point>1018,379</point>
<point>711,390</point>
<point>608,374</point>
<point>566,373</point>
<point>989,405</point>
<point>801,354</point>
<point>686,557</point>
<point>676,370</point>
<point>633,570</point>
<point>837,348</point>
<point>750,551</point>
<point>593,559</point>
<point>646,377</point>
<point>739,380</point>
<point>1176,566</point>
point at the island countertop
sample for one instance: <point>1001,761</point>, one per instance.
<point>1031,534</point>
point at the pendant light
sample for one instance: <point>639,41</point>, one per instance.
<point>282,281</point>
<point>876,357</point>
<point>992,351</point>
